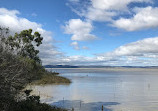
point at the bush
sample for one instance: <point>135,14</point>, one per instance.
<point>31,103</point>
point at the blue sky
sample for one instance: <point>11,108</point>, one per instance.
<point>89,32</point>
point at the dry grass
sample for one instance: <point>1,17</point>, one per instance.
<point>51,79</point>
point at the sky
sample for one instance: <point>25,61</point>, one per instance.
<point>88,32</point>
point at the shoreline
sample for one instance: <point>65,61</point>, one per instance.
<point>115,69</point>
<point>51,78</point>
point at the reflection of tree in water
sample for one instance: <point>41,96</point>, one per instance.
<point>81,106</point>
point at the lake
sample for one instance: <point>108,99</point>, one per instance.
<point>116,90</point>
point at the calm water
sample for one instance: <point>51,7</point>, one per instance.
<point>115,90</point>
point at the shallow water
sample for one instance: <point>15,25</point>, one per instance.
<point>115,90</point>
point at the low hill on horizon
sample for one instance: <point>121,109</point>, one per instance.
<point>94,66</point>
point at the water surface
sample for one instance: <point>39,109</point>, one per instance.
<point>115,90</point>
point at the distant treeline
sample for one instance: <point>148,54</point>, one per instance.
<point>94,66</point>
<point>60,66</point>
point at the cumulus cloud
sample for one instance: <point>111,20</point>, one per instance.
<point>10,18</point>
<point>140,48</point>
<point>79,29</point>
<point>93,14</point>
<point>99,14</point>
<point>114,4</point>
<point>139,52</point>
<point>4,11</point>
<point>145,18</point>
<point>75,45</point>
<point>105,10</point>
<point>142,52</point>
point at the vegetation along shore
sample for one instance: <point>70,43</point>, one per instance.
<point>19,66</point>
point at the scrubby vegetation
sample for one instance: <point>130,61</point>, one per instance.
<point>51,78</point>
<point>20,65</point>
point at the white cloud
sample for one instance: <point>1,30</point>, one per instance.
<point>140,48</point>
<point>143,19</point>
<point>114,4</point>
<point>142,52</point>
<point>139,52</point>
<point>80,30</point>
<point>9,18</point>
<point>77,60</point>
<point>75,45</point>
<point>99,14</point>
<point>105,10</point>
<point>4,11</point>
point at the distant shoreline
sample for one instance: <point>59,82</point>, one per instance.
<point>113,69</point>
<point>96,66</point>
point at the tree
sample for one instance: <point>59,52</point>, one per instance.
<point>25,44</point>
<point>17,71</point>
<point>18,64</point>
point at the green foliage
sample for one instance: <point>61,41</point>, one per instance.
<point>25,44</point>
<point>19,66</point>
<point>15,73</point>
<point>31,103</point>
